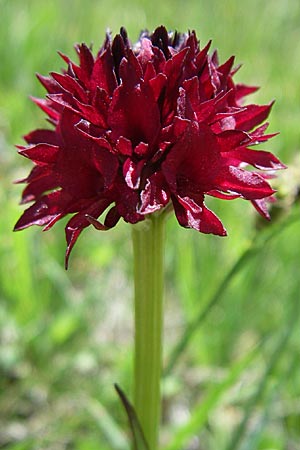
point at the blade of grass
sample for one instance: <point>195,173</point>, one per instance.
<point>260,240</point>
<point>107,425</point>
<point>200,413</point>
<point>278,352</point>
<point>193,326</point>
<point>252,442</point>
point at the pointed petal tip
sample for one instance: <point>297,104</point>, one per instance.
<point>67,260</point>
<point>96,224</point>
<point>271,103</point>
<point>67,254</point>
<point>21,180</point>
<point>64,57</point>
<point>18,226</point>
<point>224,233</point>
<point>280,166</point>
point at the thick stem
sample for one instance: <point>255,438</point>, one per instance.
<point>148,249</point>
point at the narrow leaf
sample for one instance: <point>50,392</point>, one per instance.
<point>139,441</point>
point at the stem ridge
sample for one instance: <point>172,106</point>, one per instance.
<point>148,251</point>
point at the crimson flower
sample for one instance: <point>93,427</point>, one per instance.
<point>139,127</point>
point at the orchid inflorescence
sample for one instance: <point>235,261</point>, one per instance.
<point>143,128</point>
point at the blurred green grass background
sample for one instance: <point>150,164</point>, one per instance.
<point>66,337</point>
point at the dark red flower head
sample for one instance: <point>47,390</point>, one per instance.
<point>139,127</point>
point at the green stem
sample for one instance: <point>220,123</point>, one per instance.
<point>148,249</point>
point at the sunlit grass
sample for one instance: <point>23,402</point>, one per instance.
<point>66,337</point>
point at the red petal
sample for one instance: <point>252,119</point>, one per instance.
<point>201,57</point>
<point>112,217</point>
<point>146,55</point>
<point>80,221</point>
<point>92,133</point>
<point>47,107</point>
<point>106,163</point>
<point>155,195</point>
<point>249,184</point>
<point>86,63</point>
<point>124,146</point>
<point>128,116</point>
<point>261,206</point>
<point>49,84</point>
<point>159,60</point>
<point>119,52</point>
<point>207,110</point>
<point>252,116</point>
<point>141,149</point>
<point>230,139</point>
<point>71,85</point>
<point>38,187</point>
<point>92,114</point>
<point>130,70</point>
<point>184,106</point>
<point>157,85</point>
<point>132,172</point>
<point>66,128</point>
<point>191,88</point>
<point>257,158</point>
<point>149,70</point>
<point>193,163</point>
<point>41,153</point>
<point>221,195</point>
<point>241,90</point>
<point>96,224</point>
<point>258,135</point>
<point>42,136</point>
<point>44,210</point>
<point>127,201</point>
<point>103,75</point>
<point>174,66</point>
<point>226,67</point>
<point>174,72</point>
<point>160,39</point>
<point>224,71</point>
<point>36,173</point>
<point>191,215</point>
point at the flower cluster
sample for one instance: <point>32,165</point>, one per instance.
<point>139,127</point>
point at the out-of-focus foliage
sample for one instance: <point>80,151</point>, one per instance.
<point>66,337</point>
